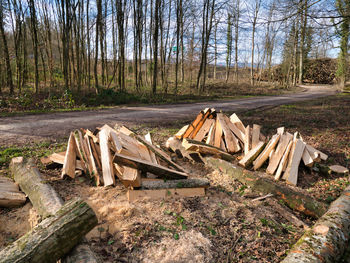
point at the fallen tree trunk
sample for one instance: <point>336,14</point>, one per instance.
<point>293,199</point>
<point>53,237</point>
<point>46,201</point>
<point>328,239</point>
<point>182,183</point>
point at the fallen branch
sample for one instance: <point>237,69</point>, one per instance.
<point>53,237</point>
<point>182,183</point>
<point>293,199</point>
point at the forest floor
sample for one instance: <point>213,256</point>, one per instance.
<point>225,225</point>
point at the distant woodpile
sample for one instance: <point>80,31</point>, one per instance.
<point>316,71</point>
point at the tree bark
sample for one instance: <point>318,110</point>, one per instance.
<point>293,199</point>
<point>182,183</point>
<point>46,201</point>
<point>328,239</point>
<point>53,237</point>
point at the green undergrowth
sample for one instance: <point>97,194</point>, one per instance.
<point>36,150</point>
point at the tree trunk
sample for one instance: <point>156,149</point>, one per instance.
<point>53,237</point>
<point>155,45</point>
<point>6,52</point>
<point>294,200</point>
<point>303,25</point>
<point>45,200</point>
<point>237,16</point>
<point>328,239</point>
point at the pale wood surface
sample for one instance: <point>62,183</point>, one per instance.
<point>292,169</point>
<point>255,135</point>
<point>106,159</point>
<point>70,158</point>
<point>265,153</point>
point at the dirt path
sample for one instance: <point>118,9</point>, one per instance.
<point>30,128</point>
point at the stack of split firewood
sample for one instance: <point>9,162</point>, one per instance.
<point>216,134</point>
<point>107,154</point>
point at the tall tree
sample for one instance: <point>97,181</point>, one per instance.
<point>9,82</point>
<point>256,9</point>
<point>155,45</point>
<point>343,8</point>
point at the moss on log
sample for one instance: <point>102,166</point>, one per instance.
<point>182,183</point>
<point>53,237</point>
<point>328,239</point>
<point>293,199</point>
<point>46,202</point>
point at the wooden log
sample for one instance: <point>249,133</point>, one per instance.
<point>248,159</point>
<point>45,200</point>
<point>321,155</point>
<point>307,159</point>
<point>283,161</point>
<point>95,173</point>
<point>218,132</point>
<point>70,158</point>
<point>143,165</point>
<point>130,176</point>
<point>175,145</point>
<point>10,196</point>
<point>247,144</point>
<point>278,154</point>
<point>194,124</point>
<point>182,183</point>
<point>231,141</point>
<point>313,153</point>
<point>293,199</point>
<point>80,149</point>
<point>237,122</point>
<point>204,130</point>
<point>134,195</point>
<point>328,239</point>
<point>181,132</point>
<point>255,135</point>
<point>53,237</point>
<point>162,155</point>
<point>106,158</point>
<point>237,131</point>
<point>292,169</point>
<point>204,148</point>
<point>200,124</point>
<point>211,134</point>
<point>148,138</point>
<point>265,153</point>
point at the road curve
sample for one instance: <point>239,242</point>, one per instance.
<point>29,128</point>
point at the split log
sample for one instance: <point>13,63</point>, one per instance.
<point>283,161</point>
<point>277,156</point>
<point>237,122</point>
<point>70,158</point>
<point>231,141</point>
<point>239,132</point>
<point>53,237</point>
<point>255,135</point>
<point>328,239</point>
<point>175,145</point>
<point>106,158</point>
<point>293,199</point>
<point>194,124</point>
<point>181,132</point>
<point>143,165</point>
<point>45,200</point>
<point>247,145</point>
<point>204,130</point>
<point>265,153</point>
<point>10,196</point>
<point>218,132</point>
<point>211,134</point>
<point>307,159</point>
<point>292,170</point>
<point>248,159</point>
<point>182,183</point>
<point>204,148</point>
